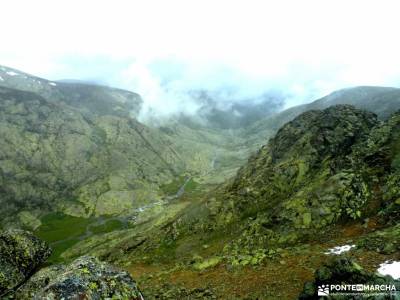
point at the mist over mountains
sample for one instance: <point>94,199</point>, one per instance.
<point>237,184</point>
<point>236,55</point>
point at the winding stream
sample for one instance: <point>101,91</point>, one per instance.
<point>101,220</point>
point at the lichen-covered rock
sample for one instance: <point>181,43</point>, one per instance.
<point>343,270</point>
<point>302,175</point>
<point>84,278</point>
<point>21,253</point>
<point>378,161</point>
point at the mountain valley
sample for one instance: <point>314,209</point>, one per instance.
<point>227,208</point>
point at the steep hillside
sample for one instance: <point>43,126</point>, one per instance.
<point>54,157</point>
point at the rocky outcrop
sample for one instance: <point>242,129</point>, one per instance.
<point>84,278</point>
<point>291,172</point>
<point>21,253</point>
<point>345,271</point>
<point>323,168</point>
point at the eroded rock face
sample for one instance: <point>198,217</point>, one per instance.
<point>21,253</point>
<point>343,270</point>
<point>321,168</point>
<point>84,278</point>
<point>305,167</point>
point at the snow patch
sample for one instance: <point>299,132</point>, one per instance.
<point>391,268</point>
<point>340,249</point>
<point>1,78</point>
<point>12,73</point>
<point>52,83</point>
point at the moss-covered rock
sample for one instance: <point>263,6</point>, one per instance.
<point>21,253</point>
<point>84,278</point>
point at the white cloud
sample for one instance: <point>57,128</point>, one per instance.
<point>306,48</point>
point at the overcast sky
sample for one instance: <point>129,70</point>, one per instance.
<point>239,49</point>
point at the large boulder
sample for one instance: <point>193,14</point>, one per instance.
<point>84,278</point>
<point>21,253</point>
